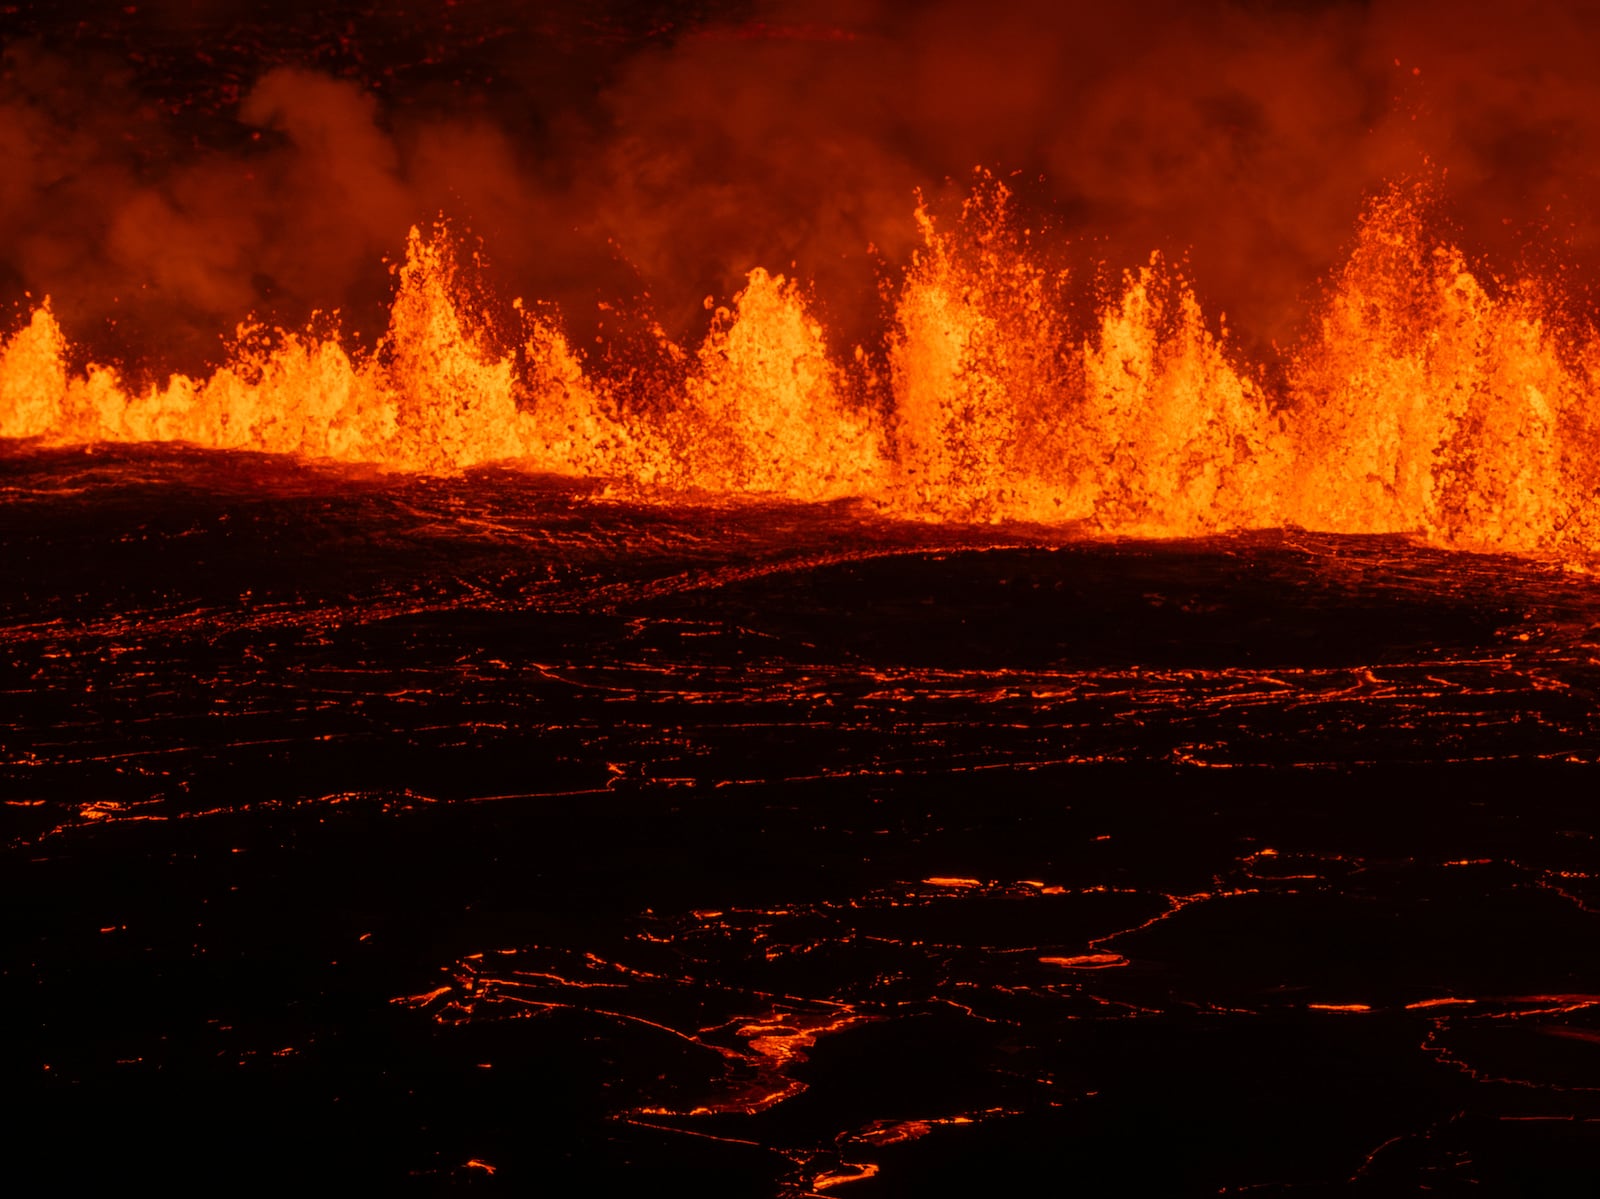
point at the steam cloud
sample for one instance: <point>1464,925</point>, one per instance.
<point>1241,135</point>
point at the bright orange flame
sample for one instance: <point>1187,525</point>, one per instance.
<point>766,412</point>
<point>1426,403</point>
<point>1425,399</point>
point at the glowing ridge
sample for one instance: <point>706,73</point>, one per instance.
<point>1424,399</point>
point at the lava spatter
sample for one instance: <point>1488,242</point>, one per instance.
<point>1424,399</point>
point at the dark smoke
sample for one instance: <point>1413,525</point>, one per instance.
<point>188,166</point>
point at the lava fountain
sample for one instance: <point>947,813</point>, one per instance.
<point>1423,399</point>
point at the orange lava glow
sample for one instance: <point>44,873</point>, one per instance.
<point>1339,1007</point>
<point>1087,961</point>
<point>1422,398</point>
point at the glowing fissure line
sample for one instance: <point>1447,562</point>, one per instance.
<point>1416,401</point>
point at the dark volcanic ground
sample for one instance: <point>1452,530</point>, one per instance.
<point>436,833</point>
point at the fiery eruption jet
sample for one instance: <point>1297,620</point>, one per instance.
<point>1425,400</point>
<point>1002,374</point>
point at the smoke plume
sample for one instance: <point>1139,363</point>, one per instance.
<point>654,163</point>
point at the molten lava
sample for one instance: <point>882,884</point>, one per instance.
<point>1424,399</point>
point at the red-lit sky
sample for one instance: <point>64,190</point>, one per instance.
<point>167,168</point>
